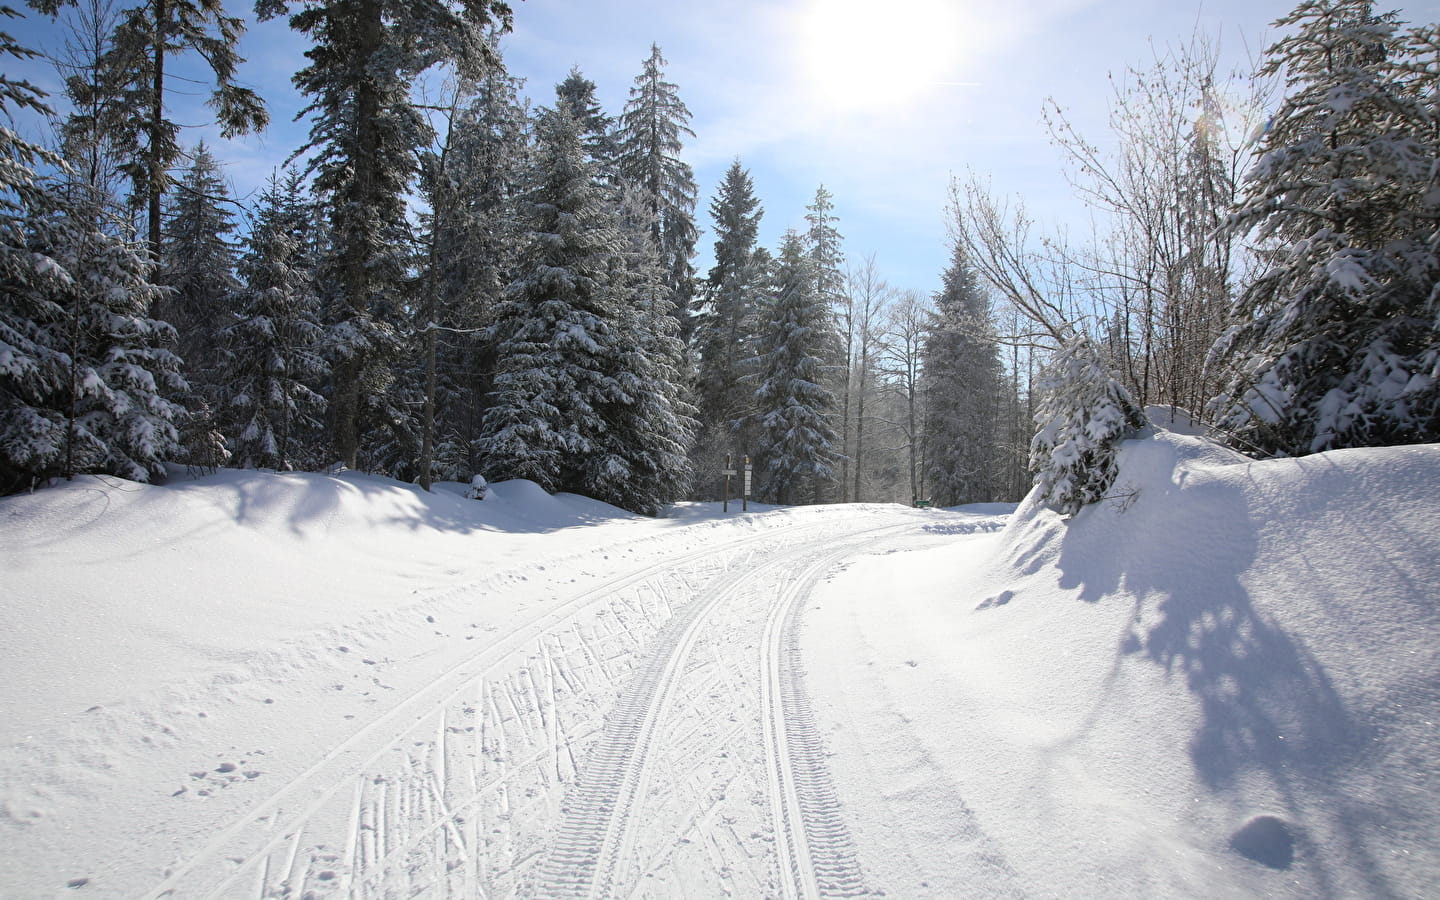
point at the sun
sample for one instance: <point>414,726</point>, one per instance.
<point>855,54</point>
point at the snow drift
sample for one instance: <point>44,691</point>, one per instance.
<point>1224,680</point>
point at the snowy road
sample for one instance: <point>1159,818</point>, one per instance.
<point>646,735</point>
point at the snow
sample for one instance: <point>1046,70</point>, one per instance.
<point>1224,680</point>
<point>1102,707</point>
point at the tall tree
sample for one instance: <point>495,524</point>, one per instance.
<point>1337,344</point>
<point>866,298</point>
<point>824,248</point>
<point>797,442</point>
<point>649,136</point>
<point>597,129</point>
<point>366,137</point>
<point>470,239</point>
<point>131,93</point>
<point>901,364</point>
<point>724,333</point>
<point>583,398</point>
<point>198,266</point>
<point>270,359</point>
<point>963,380</point>
<point>1164,268</point>
<point>84,378</point>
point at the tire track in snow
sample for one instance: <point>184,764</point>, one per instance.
<point>815,854</point>
<point>386,817</point>
<point>596,841</point>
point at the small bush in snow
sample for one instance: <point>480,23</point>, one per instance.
<point>1083,414</point>
<point>479,489</point>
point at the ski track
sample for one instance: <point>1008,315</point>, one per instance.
<point>456,790</point>
<point>672,700</point>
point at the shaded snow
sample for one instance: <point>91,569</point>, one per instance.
<point>1224,681</point>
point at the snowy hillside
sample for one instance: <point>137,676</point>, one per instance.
<point>258,685</point>
<point>1223,682</point>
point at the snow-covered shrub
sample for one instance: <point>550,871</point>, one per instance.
<point>1083,414</point>
<point>479,488</point>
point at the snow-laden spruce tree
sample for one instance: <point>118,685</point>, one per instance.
<point>554,329</point>
<point>1337,344</point>
<point>649,162</point>
<point>725,326</point>
<point>795,436</point>
<point>962,388</point>
<point>471,182</point>
<point>646,443</point>
<point>84,376</point>
<point>270,363</point>
<point>584,397</point>
<point>1083,415</point>
<point>197,264</point>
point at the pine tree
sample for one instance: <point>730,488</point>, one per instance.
<point>823,247</point>
<point>585,396</point>
<point>270,358</point>
<point>724,334</point>
<point>649,161</point>
<point>366,138</point>
<point>84,377</point>
<point>962,384</point>
<point>472,234</point>
<point>597,129</point>
<point>198,266</point>
<point>651,428</point>
<point>133,88</point>
<point>555,328</point>
<point>823,243</point>
<point>797,443</point>
<point>1337,344</point>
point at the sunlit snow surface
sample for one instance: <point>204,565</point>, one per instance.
<point>1223,681</point>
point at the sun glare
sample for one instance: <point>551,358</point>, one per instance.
<point>856,54</point>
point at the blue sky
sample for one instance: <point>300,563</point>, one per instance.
<point>880,102</point>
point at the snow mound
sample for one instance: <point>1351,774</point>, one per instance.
<point>1222,680</point>
<point>1283,618</point>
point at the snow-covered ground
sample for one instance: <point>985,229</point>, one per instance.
<point>1224,681</point>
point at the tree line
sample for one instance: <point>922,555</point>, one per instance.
<point>465,287</point>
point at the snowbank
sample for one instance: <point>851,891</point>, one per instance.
<point>1223,681</point>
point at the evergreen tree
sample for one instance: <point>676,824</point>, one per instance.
<point>130,92</point>
<point>1084,414</point>
<point>962,384</point>
<point>83,375</point>
<point>270,359</point>
<point>472,235</point>
<point>556,328</point>
<point>827,258</point>
<point>597,129</point>
<point>724,335</point>
<point>823,243</point>
<point>1337,344</point>
<point>649,161</point>
<point>366,138</point>
<point>198,267</point>
<point>650,431</point>
<point>797,452</point>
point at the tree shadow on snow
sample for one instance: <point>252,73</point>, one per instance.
<point>1268,707</point>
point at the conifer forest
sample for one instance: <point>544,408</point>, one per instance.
<point>501,281</point>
